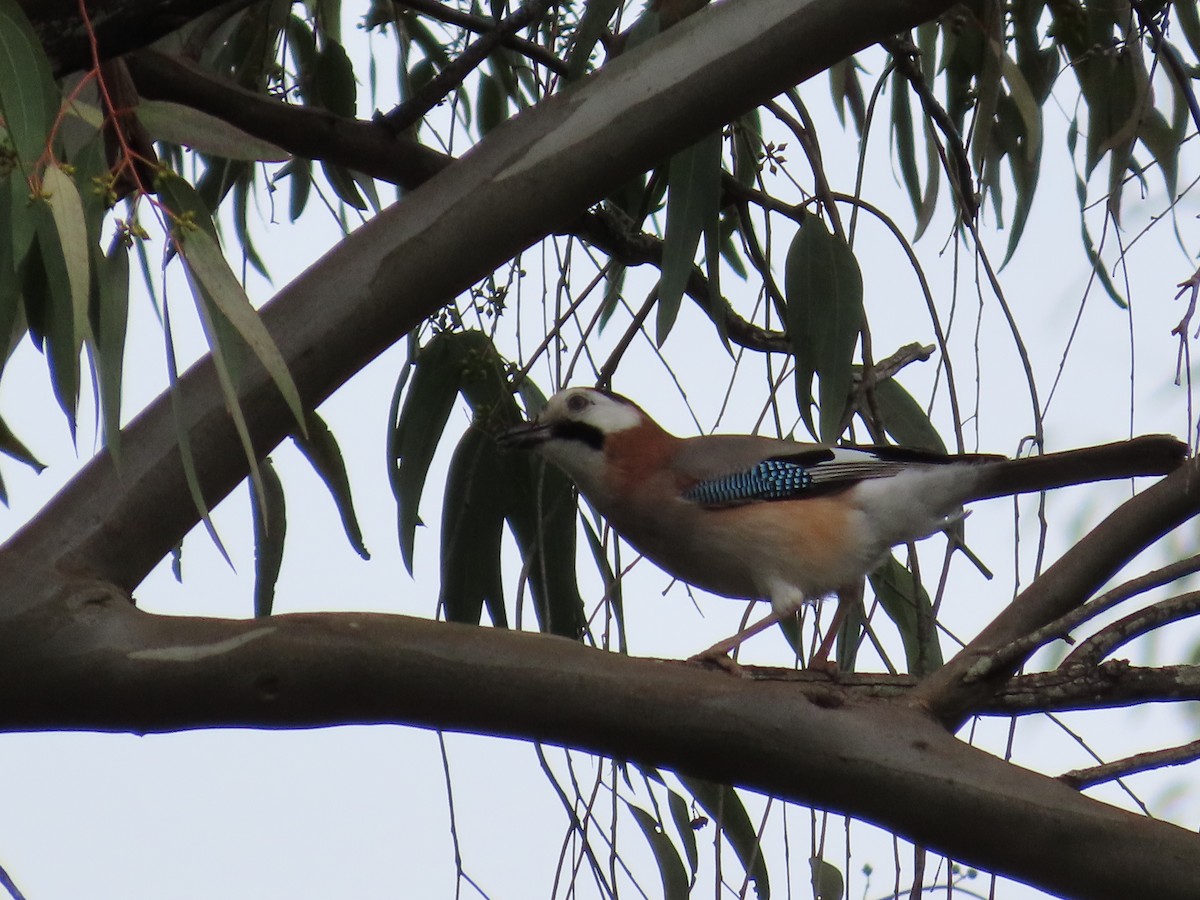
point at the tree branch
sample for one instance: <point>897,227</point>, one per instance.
<point>1139,762</point>
<point>120,669</point>
<point>303,130</point>
<point>1121,632</point>
<point>412,110</point>
<point>119,26</point>
<point>367,147</point>
<point>482,25</point>
<point>975,672</point>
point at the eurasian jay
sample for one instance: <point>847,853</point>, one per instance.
<point>760,518</point>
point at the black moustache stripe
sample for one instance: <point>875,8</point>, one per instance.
<point>579,431</point>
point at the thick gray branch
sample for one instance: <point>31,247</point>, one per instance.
<point>119,669</point>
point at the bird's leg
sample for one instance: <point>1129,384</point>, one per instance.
<point>718,653</point>
<point>820,659</point>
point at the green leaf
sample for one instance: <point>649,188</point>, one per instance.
<point>185,449</point>
<point>299,172</point>
<point>693,202</point>
<point>472,529</point>
<point>725,807</point>
<point>66,208</point>
<point>827,881</point>
<point>682,817</point>
<point>10,284</point>
<point>543,522</point>
<point>342,181</point>
<point>847,92</point>
<point>417,432</point>
<point>23,221</point>
<point>207,263</point>
<point>29,98</point>
<point>224,357</point>
<point>905,419</point>
<point>904,139</point>
<point>1187,15</point>
<point>492,106</point>
<point>46,282</point>
<point>321,449</point>
<point>189,127</point>
<point>675,882</point>
<point>112,275</point>
<point>11,445</point>
<point>823,286</point>
<point>334,79</point>
<point>907,604</point>
<point>612,584</point>
<point>592,26</point>
<point>270,528</point>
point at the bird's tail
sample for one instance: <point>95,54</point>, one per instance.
<point>1152,454</point>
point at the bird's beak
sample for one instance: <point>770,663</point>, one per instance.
<point>525,436</point>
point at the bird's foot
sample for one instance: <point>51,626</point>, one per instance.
<point>717,657</point>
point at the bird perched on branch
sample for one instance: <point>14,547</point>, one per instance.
<point>778,520</point>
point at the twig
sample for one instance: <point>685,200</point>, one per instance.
<point>1183,81</point>
<point>483,25</point>
<point>958,166</point>
<point>1134,625</point>
<point>412,110</point>
<point>1062,627</point>
<point>1139,762</point>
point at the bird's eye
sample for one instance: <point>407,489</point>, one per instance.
<point>578,403</point>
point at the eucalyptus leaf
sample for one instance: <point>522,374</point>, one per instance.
<point>693,202</point>
<point>269,515</point>
<point>824,292</point>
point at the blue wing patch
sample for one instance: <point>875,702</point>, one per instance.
<point>771,479</point>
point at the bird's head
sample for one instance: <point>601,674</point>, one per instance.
<point>573,427</point>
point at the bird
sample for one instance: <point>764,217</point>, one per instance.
<point>760,518</point>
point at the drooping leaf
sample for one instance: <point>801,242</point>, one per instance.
<point>187,461</point>
<point>29,99</point>
<point>905,419</point>
<point>416,434</point>
<point>10,285</point>
<point>823,286</point>
<point>321,449</point>
<point>112,275</point>
<point>224,357</point>
<point>342,181</point>
<point>675,882</point>
<point>66,208</point>
<point>492,105</point>
<point>335,81</point>
<point>827,880</point>
<point>1089,246</point>
<point>907,604</point>
<point>592,26</point>
<point>847,92</point>
<point>46,272</point>
<point>270,529</point>
<point>189,127</point>
<point>904,139</point>
<point>612,584</point>
<point>693,201</point>
<point>11,445</point>
<point>472,529</point>
<point>725,807</point>
<point>207,263</point>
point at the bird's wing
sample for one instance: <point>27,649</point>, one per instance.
<point>731,470</point>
